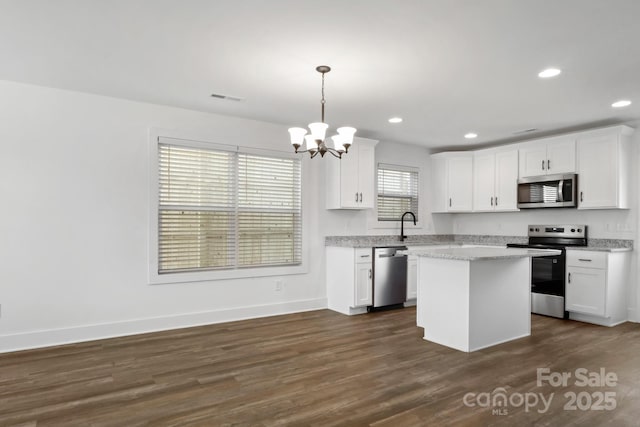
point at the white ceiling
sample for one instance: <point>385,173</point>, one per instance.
<point>446,67</point>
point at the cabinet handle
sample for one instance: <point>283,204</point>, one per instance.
<point>356,197</point>
<point>581,198</point>
<point>569,277</point>
<point>548,165</point>
<point>360,197</point>
<point>584,259</point>
<point>449,201</point>
<point>543,165</point>
<point>496,200</point>
<point>492,201</point>
<point>369,273</point>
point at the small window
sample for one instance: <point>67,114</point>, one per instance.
<point>226,209</point>
<point>397,191</point>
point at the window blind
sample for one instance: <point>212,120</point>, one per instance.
<point>269,208</point>
<point>224,209</point>
<point>397,192</point>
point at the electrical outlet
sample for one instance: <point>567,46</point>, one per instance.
<point>278,285</point>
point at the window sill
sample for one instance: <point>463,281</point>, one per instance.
<point>211,276</point>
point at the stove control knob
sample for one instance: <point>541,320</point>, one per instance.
<point>531,229</point>
<point>537,229</point>
<point>573,230</point>
<point>579,230</point>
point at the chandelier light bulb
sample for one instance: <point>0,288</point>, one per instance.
<point>318,130</point>
<point>297,136</point>
<point>312,145</point>
<point>338,143</point>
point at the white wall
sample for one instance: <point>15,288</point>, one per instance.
<point>73,230</point>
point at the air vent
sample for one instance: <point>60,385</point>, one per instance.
<point>226,97</point>
<point>525,131</point>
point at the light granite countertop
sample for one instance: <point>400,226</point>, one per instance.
<point>601,245</point>
<point>599,249</point>
<point>481,253</point>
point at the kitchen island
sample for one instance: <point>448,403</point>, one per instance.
<point>471,298</point>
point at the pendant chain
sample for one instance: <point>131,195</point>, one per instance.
<point>322,102</point>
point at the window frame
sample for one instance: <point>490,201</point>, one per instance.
<point>392,223</point>
<point>195,141</point>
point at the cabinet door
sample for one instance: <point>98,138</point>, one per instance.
<point>561,155</point>
<point>460,183</point>
<point>349,191</point>
<point>483,182</point>
<point>366,175</point>
<point>506,181</point>
<point>533,160</point>
<point>362,295</point>
<point>586,290</point>
<point>597,172</point>
<point>412,277</point>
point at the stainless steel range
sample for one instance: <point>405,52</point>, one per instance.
<point>548,273</point>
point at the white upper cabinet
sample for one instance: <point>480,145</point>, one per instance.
<point>351,180</point>
<point>452,182</point>
<point>548,156</point>
<point>495,180</point>
<point>603,168</point>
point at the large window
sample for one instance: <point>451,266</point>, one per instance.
<point>226,209</point>
<point>397,191</point>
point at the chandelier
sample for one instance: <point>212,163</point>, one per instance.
<point>315,140</point>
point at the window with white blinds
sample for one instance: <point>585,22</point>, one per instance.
<point>397,191</point>
<point>227,209</point>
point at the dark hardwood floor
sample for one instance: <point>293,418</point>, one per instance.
<point>318,368</point>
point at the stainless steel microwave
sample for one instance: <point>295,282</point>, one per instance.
<point>548,191</point>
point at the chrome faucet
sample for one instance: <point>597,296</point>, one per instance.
<point>402,236</point>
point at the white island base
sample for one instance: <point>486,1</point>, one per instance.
<point>472,304</point>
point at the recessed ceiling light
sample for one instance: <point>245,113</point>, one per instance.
<point>621,103</point>
<point>471,135</point>
<point>549,72</point>
<point>395,120</point>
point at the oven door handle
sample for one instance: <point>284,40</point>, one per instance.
<point>560,185</point>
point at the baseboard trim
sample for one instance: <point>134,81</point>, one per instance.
<point>54,337</point>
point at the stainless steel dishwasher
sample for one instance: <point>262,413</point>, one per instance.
<point>389,276</point>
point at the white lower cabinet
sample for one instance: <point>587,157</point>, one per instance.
<point>586,290</point>
<point>596,289</point>
<point>349,273</point>
<point>364,286</point>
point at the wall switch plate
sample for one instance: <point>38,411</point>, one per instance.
<point>278,284</point>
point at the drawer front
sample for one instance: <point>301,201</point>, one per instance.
<point>587,259</point>
<point>364,255</point>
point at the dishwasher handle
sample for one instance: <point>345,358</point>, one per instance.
<point>391,255</point>
<point>394,252</point>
